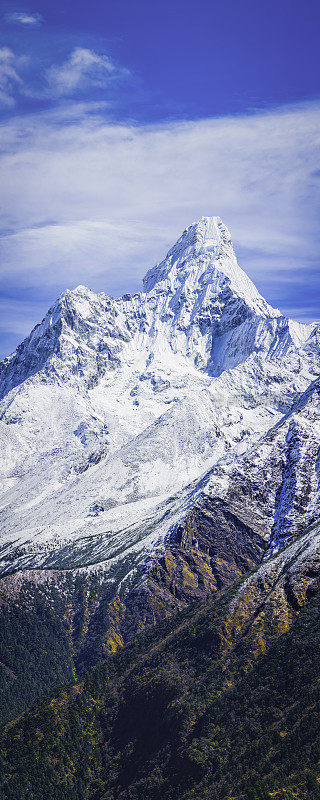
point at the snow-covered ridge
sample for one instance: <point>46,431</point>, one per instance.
<point>114,409</point>
<point>195,300</point>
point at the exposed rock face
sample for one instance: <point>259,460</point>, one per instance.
<point>277,480</point>
<point>210,549</point>
<point>269,600</point>
<point>157,446</point>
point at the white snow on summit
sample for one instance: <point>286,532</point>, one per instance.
<point>203,258</point>
<point>115,411</point>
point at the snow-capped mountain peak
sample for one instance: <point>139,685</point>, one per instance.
<point>114,409</point>
<point>198,305</point>
<point>203,259</point>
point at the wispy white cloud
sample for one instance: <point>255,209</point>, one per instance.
<point>83,72</point>
<point>87,200</point>
<point>24,18</point>
<point>78,250</point>
<point>83,68</point>
<point>10,80</point>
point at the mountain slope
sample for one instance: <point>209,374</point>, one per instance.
<point>112,408</point>
<point>218,702</point>
<point>155,447</point>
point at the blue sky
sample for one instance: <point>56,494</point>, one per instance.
<point>122,123</point>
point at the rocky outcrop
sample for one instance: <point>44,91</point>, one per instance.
<point>210,549</point>
<point>269,601</point>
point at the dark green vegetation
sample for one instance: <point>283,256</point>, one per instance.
<point>49,634</point>
<point>55,624</point>
<point>35,653</point>
<point>178,715</point>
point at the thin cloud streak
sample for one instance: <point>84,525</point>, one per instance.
<point>10,80</point>
<point>23,18</point>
